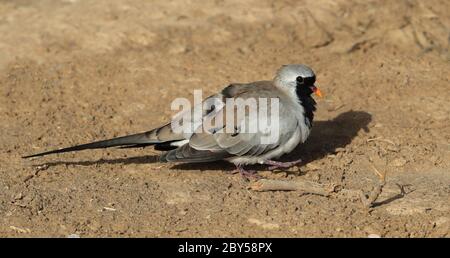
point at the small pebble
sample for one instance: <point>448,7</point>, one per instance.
<point>400,162</point>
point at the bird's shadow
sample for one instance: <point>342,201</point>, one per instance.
<point>325,138</point>
<point>328,136</point>
<point>146,159</point>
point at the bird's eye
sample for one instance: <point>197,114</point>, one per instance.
<point>300,80</point>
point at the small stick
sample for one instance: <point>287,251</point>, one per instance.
<point>36,172</point>
<point>382,176</point>
<point>375,193</point>
<point>298,185</point>
<point>20,230</point>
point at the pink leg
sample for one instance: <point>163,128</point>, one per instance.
<point>278,164</point>
<point>246,173</point>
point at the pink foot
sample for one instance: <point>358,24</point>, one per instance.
<point>278,164</point>
<point>247,174</point>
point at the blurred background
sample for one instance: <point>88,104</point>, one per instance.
<point>73,71</point>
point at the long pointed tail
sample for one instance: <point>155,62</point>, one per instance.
<point>135,140</point>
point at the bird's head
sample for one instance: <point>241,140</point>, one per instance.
<point>297,78</point>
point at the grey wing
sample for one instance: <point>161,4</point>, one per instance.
<point>194,123</point>
<point>240,141</point>
<point>219,137</point>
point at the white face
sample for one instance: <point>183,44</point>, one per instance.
<point>287,75</point>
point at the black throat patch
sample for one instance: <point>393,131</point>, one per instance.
<point>308,103</point>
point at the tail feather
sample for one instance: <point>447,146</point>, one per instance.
<point>131,141</point>
<point>143,145</point>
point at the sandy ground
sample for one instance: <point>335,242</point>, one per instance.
<point>74,71</point>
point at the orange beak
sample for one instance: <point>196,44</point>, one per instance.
<point>317,91</point>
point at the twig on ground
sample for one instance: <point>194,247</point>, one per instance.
<point>369,200</point>
<point>309,187</point>
<point>36,172</point>
<point>298,185</point>
<point>20,230</point>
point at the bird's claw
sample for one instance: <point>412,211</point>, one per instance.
<point>247,174</point>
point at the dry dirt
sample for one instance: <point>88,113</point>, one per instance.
<point>74,71</point>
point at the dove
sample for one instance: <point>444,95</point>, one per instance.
<point>219,132</point>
